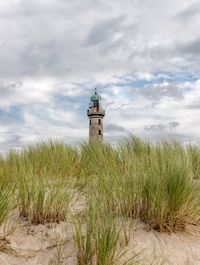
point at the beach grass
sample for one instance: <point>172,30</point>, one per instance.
<point>151,182</point>
<point>99,236</point>
<point>194,154</point>
<point>155,183</point>
<point>42,200</point>
<point>7,190</point>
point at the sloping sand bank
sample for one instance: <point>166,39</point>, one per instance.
<point>53,244</point>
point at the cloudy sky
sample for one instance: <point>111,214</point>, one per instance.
<point>142,55</point>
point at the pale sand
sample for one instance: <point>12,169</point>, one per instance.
<point>45,244</point>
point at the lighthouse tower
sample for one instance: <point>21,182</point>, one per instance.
<point>96,114</point>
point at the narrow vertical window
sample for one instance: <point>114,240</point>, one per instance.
<point>99,121</point>
<point>99,132</point>
<point>90,122</point>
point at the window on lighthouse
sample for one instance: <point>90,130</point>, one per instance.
<point>99,132</point>
<point>99,121</point>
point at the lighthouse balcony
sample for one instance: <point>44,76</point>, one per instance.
<point>95,111</point>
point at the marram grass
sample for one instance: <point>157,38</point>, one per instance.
<point>52,158</point>
<point>194,155</point>
<point>6,199</point>
<point>169,196</point>
<point>155,183</point>
<point>7,190</point>
<point>98,236</point>
<point>43,200</point>
<point>44,176</point>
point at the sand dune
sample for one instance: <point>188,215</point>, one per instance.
<point>52,244</point>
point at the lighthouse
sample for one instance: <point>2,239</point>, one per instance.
<point>95,114</point>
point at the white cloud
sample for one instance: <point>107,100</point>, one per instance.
<point>141,55</point>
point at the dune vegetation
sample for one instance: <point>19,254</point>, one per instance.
<point>157,184</point>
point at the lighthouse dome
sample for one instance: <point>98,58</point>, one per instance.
<point>95,97</point>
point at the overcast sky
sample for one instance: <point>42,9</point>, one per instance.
<point>143,56</point>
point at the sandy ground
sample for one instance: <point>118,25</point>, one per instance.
<point>25,244</point>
